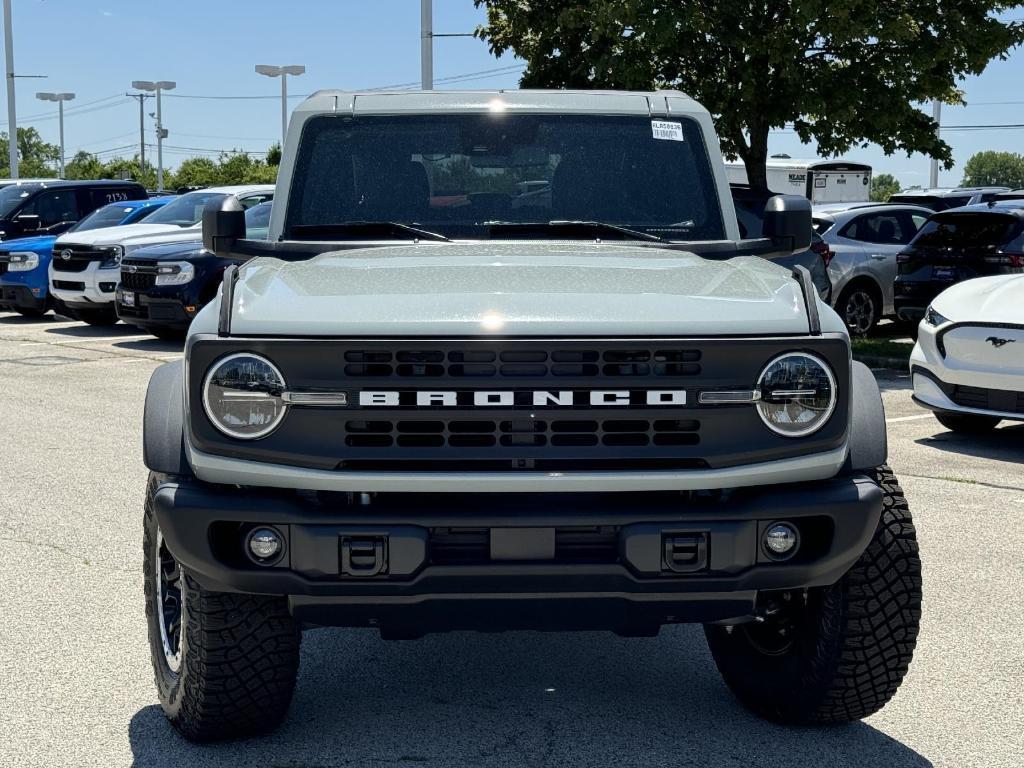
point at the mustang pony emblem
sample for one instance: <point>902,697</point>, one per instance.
<point>997,342</point>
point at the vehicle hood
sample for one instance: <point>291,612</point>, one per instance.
<point>117,234</point>
<point>995,299</point>
<point>175,235</point>
<point>171,251</point>
<point>516,288</point>
<point>39,244</point>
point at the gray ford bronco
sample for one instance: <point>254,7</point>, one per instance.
<point>504,362</point>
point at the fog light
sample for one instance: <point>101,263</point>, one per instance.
<point>780,539</point>
<point>264,543</point>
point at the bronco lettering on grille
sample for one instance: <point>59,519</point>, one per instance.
<point>509,398</point>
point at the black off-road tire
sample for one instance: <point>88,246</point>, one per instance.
<point>844,649</point>
<point>967,423</point>
<point>239,654</point>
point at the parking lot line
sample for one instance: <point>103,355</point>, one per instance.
<point>909,418</point>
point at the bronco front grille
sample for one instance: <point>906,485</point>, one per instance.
<point>493,404</point>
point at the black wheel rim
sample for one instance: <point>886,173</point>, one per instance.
<point>859,312</point>
<point>169,604</point>
<point>778,627</point>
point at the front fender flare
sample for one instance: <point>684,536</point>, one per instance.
<point>163,435</point>
<point>869,446</point>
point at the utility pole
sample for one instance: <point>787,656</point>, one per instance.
<point>12,118</point>
<point>933,177</point>
<point>427,45</point>
<point>142,128</point>
<point>60,98</point>
<point>161,132</point>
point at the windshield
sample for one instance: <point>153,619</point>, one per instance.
<point>107,216</point>
<point>186,211</point>
<point>14,195</point>
<point>458,174</point>
<point>966,230</point>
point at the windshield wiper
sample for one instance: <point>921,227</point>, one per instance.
<point>364,228</point>
<point>581,226</point>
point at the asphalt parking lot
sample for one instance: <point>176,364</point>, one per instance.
<point>76,685</point>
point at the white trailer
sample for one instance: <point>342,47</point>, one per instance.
<point>820,181</point>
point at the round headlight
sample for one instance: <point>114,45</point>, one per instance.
<point>242,396</point>
<point>797,394</point>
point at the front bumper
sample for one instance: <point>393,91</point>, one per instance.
<point>14,295</point>
<point>451,561</point>
<point>92,287</point>
<point>146,311</point>
<point>912,298</point>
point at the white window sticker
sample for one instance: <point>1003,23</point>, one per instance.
<point>666,130</point>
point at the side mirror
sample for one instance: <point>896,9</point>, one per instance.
<point>223,225</point>
<point>787,222</point>
<point>29,222</point>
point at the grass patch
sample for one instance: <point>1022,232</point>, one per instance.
<point>870,347</point>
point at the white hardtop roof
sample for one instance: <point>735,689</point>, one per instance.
<point>952,191</point>
<point>655,103</point>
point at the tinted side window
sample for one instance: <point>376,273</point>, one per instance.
<point>251,200</point>
<point>881,228</point>
<point>54,206</point>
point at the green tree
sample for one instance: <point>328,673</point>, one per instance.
<point>194,172</point>
<point>36,158</point>
<point>994,169</point>
<point>883,186</point>
<point>841,72</point>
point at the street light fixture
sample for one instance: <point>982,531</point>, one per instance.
<point>282,72</point>
<point>161,133</point>
<point>60,98</point>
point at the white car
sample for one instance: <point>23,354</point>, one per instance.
<point>968,364</point>
<point>85,268</point>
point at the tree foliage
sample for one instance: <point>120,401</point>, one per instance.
<point>884,186</point>
<point>843,72</point>
<point>228,168</point>
<point>35,156</point>
<point>994,169</point>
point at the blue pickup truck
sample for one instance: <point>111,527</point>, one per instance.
<point>24,262</point>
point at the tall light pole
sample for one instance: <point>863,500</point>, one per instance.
<point>282,72</point>
<point>161,132</point>
<point>142,129</point>
<point>933,177</point>
<point>427,45</point>
<point>60,98</point>
<point>12,118</point>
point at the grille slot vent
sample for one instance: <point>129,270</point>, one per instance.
<point>521,363</point>
<point>521,433</point>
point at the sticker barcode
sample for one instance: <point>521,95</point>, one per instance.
<point>667,130</point>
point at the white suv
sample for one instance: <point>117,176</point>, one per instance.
<point>86,265</point>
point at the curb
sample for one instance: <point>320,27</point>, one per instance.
<point>889,363</point>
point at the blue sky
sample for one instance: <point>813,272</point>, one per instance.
<point>95,48</point>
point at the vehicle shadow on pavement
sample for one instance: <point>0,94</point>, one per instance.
<point>1005,444</point>
<point>518,699</point>
<point>150,345</point>
<point>84,331</point>
<point>889,380</point>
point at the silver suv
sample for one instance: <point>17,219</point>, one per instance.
<point>864,239</point>
<point>504,362</point>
